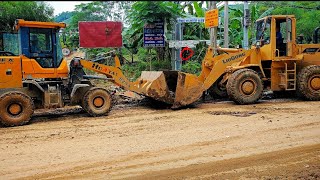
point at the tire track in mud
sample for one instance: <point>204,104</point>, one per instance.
<point>288,163</point>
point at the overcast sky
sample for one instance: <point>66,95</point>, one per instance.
<point>61,6</point>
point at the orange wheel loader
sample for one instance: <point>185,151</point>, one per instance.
<point>37,76</point>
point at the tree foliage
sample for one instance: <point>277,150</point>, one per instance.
<point>27,10</point>
<point>64,17</point>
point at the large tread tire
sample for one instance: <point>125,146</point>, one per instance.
<point>241,79</point>
<point>16,108</point>
<point>103,104</point>
<point>308,83</point>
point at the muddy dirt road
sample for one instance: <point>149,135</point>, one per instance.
<point>275,139</point>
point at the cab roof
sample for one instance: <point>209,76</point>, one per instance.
<point>277,17</point>
<point>22,23</point>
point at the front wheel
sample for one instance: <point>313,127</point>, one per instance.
<point>245,86</point>
<point>97,101</point>
<point>16,108</point>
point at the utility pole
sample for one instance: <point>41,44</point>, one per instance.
<point>226,25</point>
<point>246,22</point>
<point>179,37</point>
<point>213,31</point>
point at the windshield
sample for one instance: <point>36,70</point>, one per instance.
<point>263,30</point>
<point>260,29</point>
<point>40,40</point>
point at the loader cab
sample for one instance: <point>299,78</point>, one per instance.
<point>276,36</point>
<point>40,49</point>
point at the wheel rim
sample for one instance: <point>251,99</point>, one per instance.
<point>248,87</point>
<point>98,102</point>
<point>14,109</point>
<point>315,83</point>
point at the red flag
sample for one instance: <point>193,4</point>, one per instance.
<point>100,34</point>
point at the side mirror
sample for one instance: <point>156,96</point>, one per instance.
<point>258,44</point>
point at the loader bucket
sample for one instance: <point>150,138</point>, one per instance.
<point>172,87</point>
<point>189,89</point>
<point>155,86</point>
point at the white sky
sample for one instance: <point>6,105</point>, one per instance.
<point>61,6</point>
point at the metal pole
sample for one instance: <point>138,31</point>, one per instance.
<point>245,25</point>
<point>226,25</point>
<point>213,31</point>
<point>178,36</point>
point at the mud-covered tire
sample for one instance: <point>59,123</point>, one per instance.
<point>308,83</point>
<point>216,91</point>
<point>16,108</point>
<point>97,101</point>
<point>245,86</point>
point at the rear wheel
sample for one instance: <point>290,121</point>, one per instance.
<point>97,101</point>
<point>16,108</point>
<point>309,83</point>
<point>245,86</point>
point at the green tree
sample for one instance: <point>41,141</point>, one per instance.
<point>27,10</point>
<point>64,17</point>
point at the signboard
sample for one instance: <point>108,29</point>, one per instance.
<point>193,19</point>
<point>211,18</point>
<point>100,34</point>
<point>188,43</point>
<point>153,35</point>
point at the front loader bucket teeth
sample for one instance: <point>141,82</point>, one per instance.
<point>189,89</point>
<point>172,87</point>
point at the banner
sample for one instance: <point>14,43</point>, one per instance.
<point>100,34</point>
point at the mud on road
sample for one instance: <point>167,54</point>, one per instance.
<point>274,139</point>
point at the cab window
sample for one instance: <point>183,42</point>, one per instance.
<point>40,41</point>
<point>263,31</point>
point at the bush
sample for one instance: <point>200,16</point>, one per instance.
<point>161,65</point>
<point>133,71</point>
<point>192,67</point>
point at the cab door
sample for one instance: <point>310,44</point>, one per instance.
<point>37,46</point>
<point>41,48</point>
